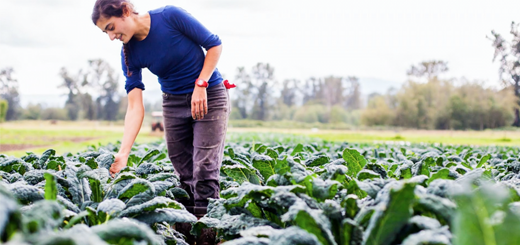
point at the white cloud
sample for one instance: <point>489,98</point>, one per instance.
<point>378,39</point>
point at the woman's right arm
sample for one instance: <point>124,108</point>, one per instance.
<point>133,122</point>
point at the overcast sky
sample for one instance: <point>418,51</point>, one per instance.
<point>300,38</point>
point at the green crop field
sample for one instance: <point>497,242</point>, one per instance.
<point>275,189</point>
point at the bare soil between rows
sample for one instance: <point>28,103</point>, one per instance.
<point>11,147</point>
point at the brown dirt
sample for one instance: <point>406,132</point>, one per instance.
<point>57,139</point>
<point>11,147</point>
<point>81,139</point>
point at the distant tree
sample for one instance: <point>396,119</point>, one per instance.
<point>9,92</point>
<point>243,98</point>
<point>312,113</point>
<point>508,54</point>
<point>377,112</point>
<point>88,106</point>
<point>471,105</point>
<point>441,104</point>
<point>104,78</point>
<point>92,92</point>
<point>289,92</point>
<point>123,104</point>
<point>32,112</point>
<point>338,95</point>
<point>352,93</point>
<point>262,80</point>
<point>53,113</point>
<point>331,91</point>
<point>3,109</point>
<point>285,96</point>
<point>418,104</point>
<point>72,84</point>
<point>338,115</point>
<point>428,69</point>
<point>310,90</point>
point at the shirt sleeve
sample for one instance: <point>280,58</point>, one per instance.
<point>191,27</point>
<point>134,81</point>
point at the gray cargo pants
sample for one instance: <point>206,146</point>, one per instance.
<point>195,147</point>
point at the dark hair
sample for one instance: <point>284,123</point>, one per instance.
<point>113,8</point>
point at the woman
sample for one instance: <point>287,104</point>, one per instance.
<point>169,41</point>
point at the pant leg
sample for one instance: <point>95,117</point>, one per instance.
<point>179,139</point>
<point>208,145</point>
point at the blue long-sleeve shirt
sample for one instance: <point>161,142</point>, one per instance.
<point>172,50</point>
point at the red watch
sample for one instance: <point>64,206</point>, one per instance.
<point>201,83</point>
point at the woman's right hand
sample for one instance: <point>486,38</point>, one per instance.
<point>120,162</point>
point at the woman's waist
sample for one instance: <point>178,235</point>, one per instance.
<point>214,88</point>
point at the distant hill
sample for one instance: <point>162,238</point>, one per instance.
<point>46,100</point>
<point>375,85</point>
<point>368,85</point>
<point>58,100</point>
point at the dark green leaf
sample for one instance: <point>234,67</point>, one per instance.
<point>483,160</point>
<point>45,156</point>
<point>392,215</point>
<point>265,165</point>
<point>350,204</point>
<point>313,221</point>
<point>441,174</point>
<point>148,156</point>
<point>135,187</point>
<point>297,149</point>
<point>51,188</point>
<point>152,205</point>
<point>231,153</point>
<point>355,161</point>
<point>168,215</point>
<point>367,174</point>
<point>352,233</point>
<point>128,230</point>
<point>260,148</point>
<point>317,161</point>
<point>240,174</point>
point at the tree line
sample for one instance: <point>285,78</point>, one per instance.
<point>259,96</point>
<point>92,94</point>
<point>425,100</point>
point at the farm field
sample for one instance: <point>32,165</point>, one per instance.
<point>16,138</point>
<point>275,189</point>
<point>37,136</point>
<point>486,137</point>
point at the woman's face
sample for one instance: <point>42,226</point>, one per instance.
<point>120,28</point>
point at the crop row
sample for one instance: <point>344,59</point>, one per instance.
<point>272,193</point>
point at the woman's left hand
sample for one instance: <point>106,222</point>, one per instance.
<point>199,103</point>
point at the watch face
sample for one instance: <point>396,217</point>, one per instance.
<point>201,83</point>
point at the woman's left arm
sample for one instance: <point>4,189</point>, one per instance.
<point>199,100</point>
<point>210,63</point>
